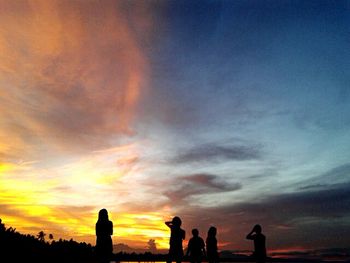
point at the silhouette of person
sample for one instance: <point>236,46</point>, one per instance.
<point>176,237</point>
<point>259,244</point>
<point>196,247</point>
<point>212,246</point>
<point>104,230</point>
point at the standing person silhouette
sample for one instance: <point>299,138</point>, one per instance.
<point>196,247</point>
<point>177,235</point>
<point>212,246</point>
<point>104,230</point>
<point>259,244</point>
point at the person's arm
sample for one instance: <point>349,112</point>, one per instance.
<point>169,223</point>
<point>251,235</point>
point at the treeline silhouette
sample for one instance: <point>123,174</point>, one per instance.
<point>17,247</point>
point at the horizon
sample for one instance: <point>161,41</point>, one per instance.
<point>127,253</point>
<point>224,113</point>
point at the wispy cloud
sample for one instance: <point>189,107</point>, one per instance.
<point>329,179</point>
<point>213,152</point>
<point>72,73</point>
<point>338,254</point>
<point>183,187</point>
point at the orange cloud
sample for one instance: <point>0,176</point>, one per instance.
<point>72,72</point>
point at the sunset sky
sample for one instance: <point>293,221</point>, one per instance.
<point>225,113</point>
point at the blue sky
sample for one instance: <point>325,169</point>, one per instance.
<point>254,95</point>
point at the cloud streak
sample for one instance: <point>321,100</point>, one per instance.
<point>212,152</point>
<point>196,184</point>
<point>72,73</point>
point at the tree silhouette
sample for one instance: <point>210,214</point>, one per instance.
<point>51,237</point>
<point>152,246</point>
<point>2,226</point>
<point>41,236</point>
<point>32,248</point>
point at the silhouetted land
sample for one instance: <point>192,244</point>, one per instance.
<point>17,247</point>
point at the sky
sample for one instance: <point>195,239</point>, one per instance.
<point>224,113</point>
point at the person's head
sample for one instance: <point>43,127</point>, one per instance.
<point>195,232</point>
<point>103,215</point>
<point>176,221</point>
<point>257,229</point>
<point>212,231</point>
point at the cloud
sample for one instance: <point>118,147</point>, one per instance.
<point>329,179</point>
<point>309,219</point>
<point>339,254</point>
<point>62,221</point>
<point>209,181</point>
<point>72,73</point>
<point>339,172</point>
<point>196,184</point>
<point>212,152</point>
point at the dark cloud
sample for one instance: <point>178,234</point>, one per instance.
<point>342,171</point>
<point>330,179</point>
<point>195,184</point>
<point>216,152</point>
<point>209,180</point>
<point>307,219</point>
<point>313,186</point>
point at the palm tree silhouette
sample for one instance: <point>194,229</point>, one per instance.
<point>41,236</point>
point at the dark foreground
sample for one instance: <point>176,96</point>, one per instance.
<point>16,247</point>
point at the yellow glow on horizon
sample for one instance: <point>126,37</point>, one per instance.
<point>5,167</point>
<point>64,201</point>
<point>130,228</point>
<point>140,228</point>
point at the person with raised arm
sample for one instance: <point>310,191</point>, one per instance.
<point>259,243</point>
<point>177,235</point>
